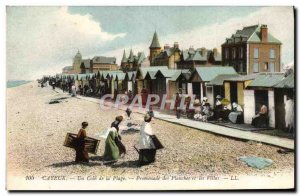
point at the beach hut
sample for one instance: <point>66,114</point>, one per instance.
<point>119,81</point>
<point>260,92</point>
<point>234,87</point>
<point>180,80</point>
<point>141,74</point>
<point>202,75</point>
<point>161,85</point>
<point>130,82</point>
<point>216,87</point>
<point>282,90</point>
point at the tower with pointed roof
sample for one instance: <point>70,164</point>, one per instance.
<point>155,49</point>
<point>124,61</point>
<point>77,62</point>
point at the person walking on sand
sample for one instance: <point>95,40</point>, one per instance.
<point>147,149</point>
<point>115,124</point>
<point>73,90</point>
<point>82,155</point>
<point>111,153</point>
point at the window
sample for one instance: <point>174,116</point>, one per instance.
<point>226,53</point>
<point>272,67</point>
<point>241,67</point>
<point>255,67</point>
<point>272,53</point>
<point>233,53</point>
<point>256,53</point>
<point>241,52</point>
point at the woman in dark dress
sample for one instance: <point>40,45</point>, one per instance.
<point>120,145</point>
<point>82,155</point>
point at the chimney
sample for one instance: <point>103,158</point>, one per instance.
<point>176,45</point>
<point>166,47</point>
<point>264,33</point>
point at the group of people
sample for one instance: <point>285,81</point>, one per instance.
<point>223,111</point>
<point>114,148</point>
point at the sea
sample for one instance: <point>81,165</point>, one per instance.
<point>15,83</point>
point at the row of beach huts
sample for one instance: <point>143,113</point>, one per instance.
<point>250,91</point>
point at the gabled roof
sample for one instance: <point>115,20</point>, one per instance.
<point>219,80</point>
<point>286,82</point>
<point>257,38</point>
<point>210,72</point>
<point>151,74</point>
<point>166,53</point>
<point>110,74</point>
<point>120,76</point>
<point>181,73</point>
<point>104,60</point>
<point>130,75</point>
<point>250,34</point>
<point>167,73</point>
<point>143,70</point>
<point>267,80</point>
<point>155,42</point>
<point>86,63</point>
<point>241,78</point>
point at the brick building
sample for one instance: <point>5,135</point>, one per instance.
<point>169,56</point>
<point>252,50</point>
<point>98,63</point>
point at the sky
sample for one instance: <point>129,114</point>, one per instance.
<point>42,40</point>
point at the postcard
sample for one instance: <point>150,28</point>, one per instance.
<point>150,98</point>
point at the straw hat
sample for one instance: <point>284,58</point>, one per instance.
<point>225,101</point>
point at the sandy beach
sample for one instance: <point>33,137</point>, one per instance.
<point>36,131</point>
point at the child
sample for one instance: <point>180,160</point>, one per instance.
<point>82,155</point>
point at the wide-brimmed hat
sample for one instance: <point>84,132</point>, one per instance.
<point>205,99</point>
<point>225,101</point>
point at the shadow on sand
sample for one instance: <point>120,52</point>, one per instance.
<point>99,162</point>
<point>128,164</point>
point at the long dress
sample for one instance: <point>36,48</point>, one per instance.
<point>233,116</point>
<point>81,153</point>
<point>122,149</point>
<point>261,120</point>
<point>111,152</point>
<point>147,150</point>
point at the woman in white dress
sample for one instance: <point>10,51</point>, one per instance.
<point>147,150</point>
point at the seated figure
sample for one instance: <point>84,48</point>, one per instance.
<point>236,115</point>
<point>261,120</point>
